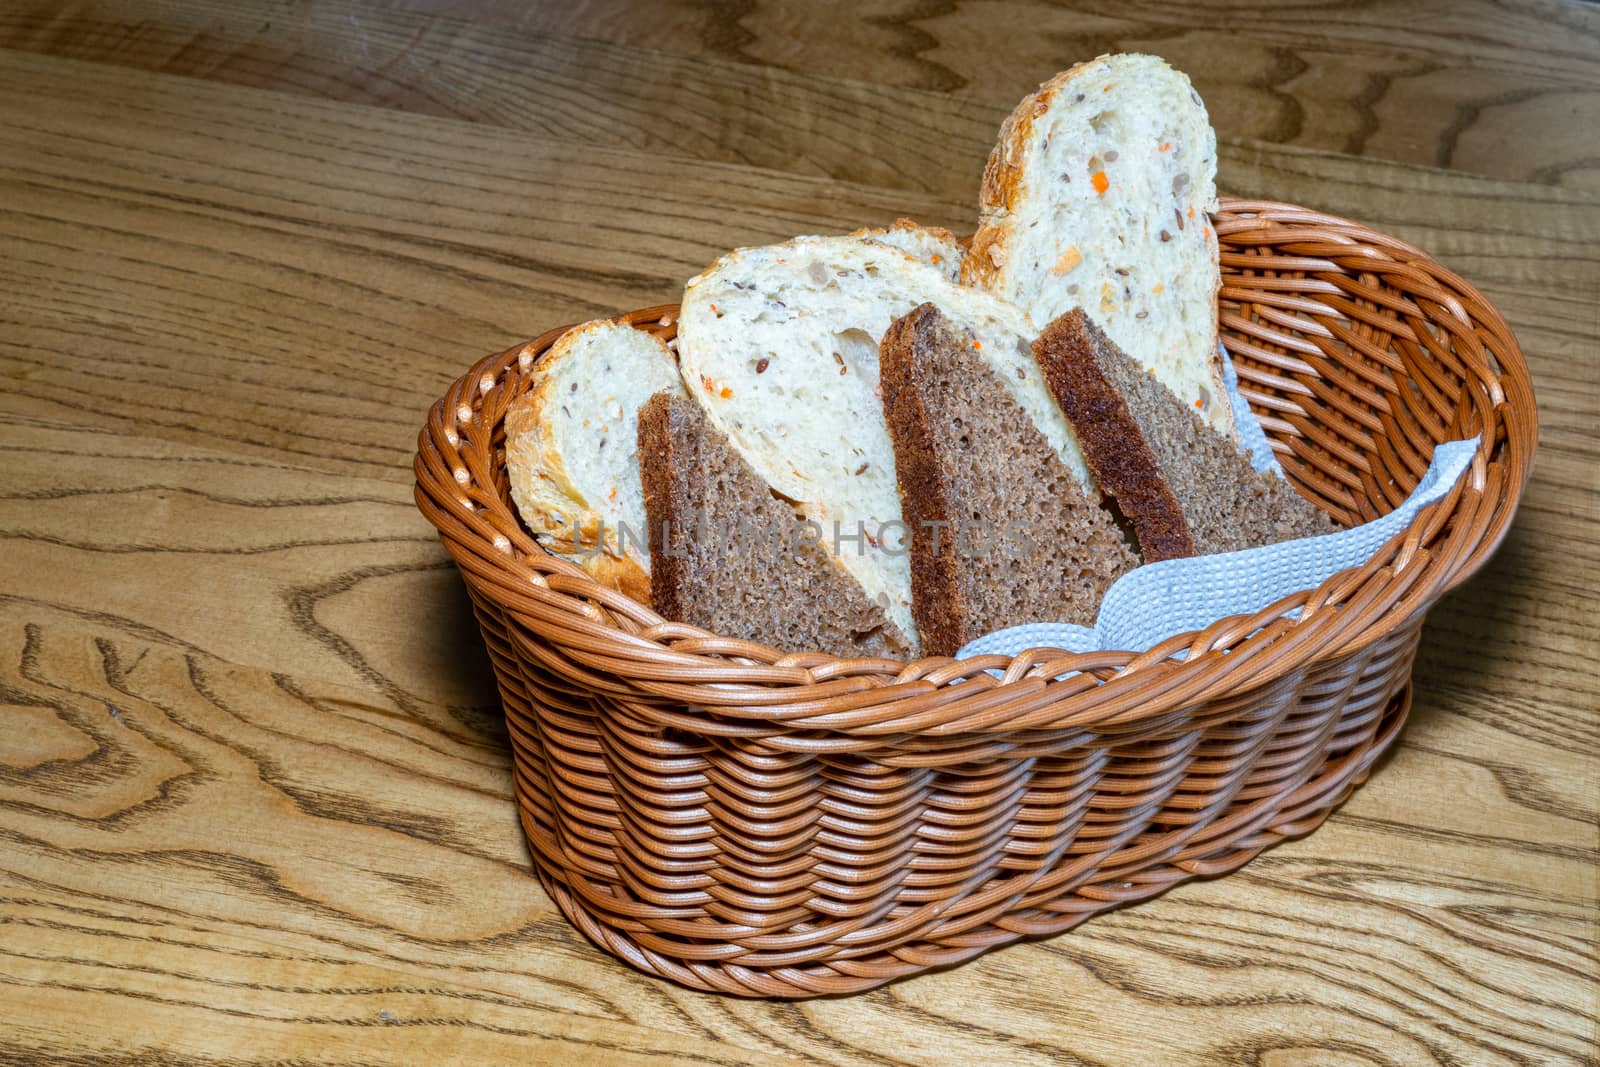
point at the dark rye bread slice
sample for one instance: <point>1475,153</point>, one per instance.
<point>1185,488</point>
<point>1002,533</point>
<point>729,557</point>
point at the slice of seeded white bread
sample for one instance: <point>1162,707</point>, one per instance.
<point>780,345</point>
<point>731,558</point>
<point>934,245</point>
<point>1185,488</point>
<point>1002,533</point>
<point>572,449</point>
<point>1097,195</point>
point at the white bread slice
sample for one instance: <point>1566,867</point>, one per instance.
<point>780,345</point>
<point>572,449</point>
<point>933,245</point>
<point>1097,196</point>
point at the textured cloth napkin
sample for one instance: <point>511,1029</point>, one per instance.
<point>1159,600</point>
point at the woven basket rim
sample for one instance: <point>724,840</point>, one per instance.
<point>619,645</point>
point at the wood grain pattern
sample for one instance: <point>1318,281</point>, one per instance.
<point>695,106</point>
<point>367,875</point>
<point>1508,89</point>
<point>345,206</point>
<point>741,86</point>
<point>255,801</point>
<point>309,210</point>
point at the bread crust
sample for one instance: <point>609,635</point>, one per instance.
<point>668,569</point>
<point>545,492</point>
<point>1004,176</point>
<point>905,225</point>
<point>1123,465</point>
<point>550,504</point>
<point>937,604</point>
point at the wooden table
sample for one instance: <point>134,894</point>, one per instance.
<point>255,802</point>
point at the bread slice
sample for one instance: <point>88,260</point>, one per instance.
<point>780,345</point>
<point>1002,533</point>
<point>732,558</point>
<point>933,245</point>
<point>572,449</point>
<point>1097,196</point>
<point>1185,488</point>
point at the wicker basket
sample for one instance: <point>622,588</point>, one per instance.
<point>768,823</point>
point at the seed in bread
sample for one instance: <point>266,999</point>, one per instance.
<point>572,449</point>
<point>1098,195</point>
<point>1185,488</point>
<point>1002,533</point>
<point>731,558</point>
<point>933,245</point>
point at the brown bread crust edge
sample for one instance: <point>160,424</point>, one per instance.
<point>1112,442</point>
<point>1000,192</point>
<point>668,570</point>
<point>937,606</point>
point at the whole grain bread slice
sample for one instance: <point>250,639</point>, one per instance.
<point>1002,532</point>
<point>730,557</point>
<point>1185,488</point>
<point>571,453</point>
